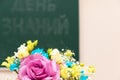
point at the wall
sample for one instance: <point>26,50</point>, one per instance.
<point>100,37</point>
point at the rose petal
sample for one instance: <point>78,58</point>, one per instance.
<point>57,76</point>
<point>48,78</point>
<point>37,67</point>
<point>25,78</point>
<point>22,72</point>
<point>26,60</point>
<point>51,68</point>
<point>30,73</point>
<point>40,77</point>
<point>38,71</point>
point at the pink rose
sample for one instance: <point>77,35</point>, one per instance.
<point>37,67</point>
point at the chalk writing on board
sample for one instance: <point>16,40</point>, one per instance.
<point>58,25</point>
<point>45,26</point>
<point>34,5</point>
<point>53,22</point>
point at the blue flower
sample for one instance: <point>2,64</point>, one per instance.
<point>45,55</point>
<point>69,63</point>
<point>37,51</point>
<point>83,77</point>
<point>17,62</point>
<point>40,51</point>
<point>13,67</point>
<point>82,72</point>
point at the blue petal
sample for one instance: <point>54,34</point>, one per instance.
<point>13,67</point>
<point>45,55</point>
<point>37,51</point>
<point>69,63</point>
<point>82,72</point>
<point>17,61</point>
<point>83,77</point>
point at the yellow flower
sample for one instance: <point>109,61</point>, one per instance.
<point>22,52</point>
<point>91,69</point>
<point>64,73</point>
<point>82,64</point>
<point>49,50</point>
<point>69,53</point>
<point>5,64</point>
<point>9,60</point>
<point>31,45</point>
<point>55,55</point>
<point>75,71</point>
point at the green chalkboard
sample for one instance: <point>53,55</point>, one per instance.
<point>53,22</point>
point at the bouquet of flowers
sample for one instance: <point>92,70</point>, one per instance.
<point>36,64</point>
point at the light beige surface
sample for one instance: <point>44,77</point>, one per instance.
<point>5,74</point>
<point>100,37</point>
